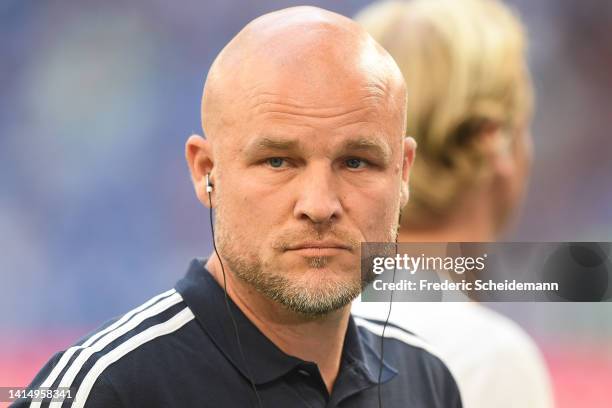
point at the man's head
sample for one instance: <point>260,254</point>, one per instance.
<point>304,117</point>
<point>470,103</point>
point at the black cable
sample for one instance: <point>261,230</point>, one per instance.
<point>382,339</point>
<point>229,310</point>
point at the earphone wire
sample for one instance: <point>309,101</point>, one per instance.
<point>229,310</point>
<point>382,339</point>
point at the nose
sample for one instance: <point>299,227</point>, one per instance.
<point>318,200</point>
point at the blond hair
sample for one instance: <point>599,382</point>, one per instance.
<point>464,64</point>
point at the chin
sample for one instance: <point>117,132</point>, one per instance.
<point>322,285</point>
<point>325,271</point>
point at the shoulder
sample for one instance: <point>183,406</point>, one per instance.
<point>508,355</point>
<point>373,329</point>
<point>129,341</point>
<point>416,361</point>
<point>490,355</point>
<point>486,337</point>
<point>455,328</point>
<point>371,319</point>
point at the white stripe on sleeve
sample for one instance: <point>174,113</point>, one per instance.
<point>110,336</point>
<point>169,326</point>
<point>61,364</point>
<point>398,334</point>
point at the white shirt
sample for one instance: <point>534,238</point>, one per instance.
<point>495,363</point>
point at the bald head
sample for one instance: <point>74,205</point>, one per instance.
<point>303,54</point>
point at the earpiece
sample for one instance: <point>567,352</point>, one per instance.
<point>209,186</point>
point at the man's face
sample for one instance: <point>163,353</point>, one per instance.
<point>304,171</point>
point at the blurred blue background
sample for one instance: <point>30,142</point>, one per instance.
<point>97,212</point>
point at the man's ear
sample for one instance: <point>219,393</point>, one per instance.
<point>198,153</point>
<point>410,146</point>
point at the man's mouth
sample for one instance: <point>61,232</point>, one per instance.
<point>318,248</point>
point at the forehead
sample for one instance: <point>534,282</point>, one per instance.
<point>319,77</point>
<point>305,104</point>
<point>315,105</point>
<point>317,123</point>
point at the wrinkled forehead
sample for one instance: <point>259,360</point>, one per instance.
<point>335,91</point>
<point>318,113</point>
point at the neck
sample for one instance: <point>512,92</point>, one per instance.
<point>319,340</point>
<point>472,220</point>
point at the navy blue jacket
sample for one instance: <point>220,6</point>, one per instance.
<point>179,350</point>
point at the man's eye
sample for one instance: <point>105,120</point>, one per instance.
<point>276,162</point>
<point>354,163</point>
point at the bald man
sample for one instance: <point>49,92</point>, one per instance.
<point>304,158</point>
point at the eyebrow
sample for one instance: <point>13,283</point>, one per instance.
<point>364,144</point>
<point>267,144</point>
<point>276,144</point>
<point>369,145</point>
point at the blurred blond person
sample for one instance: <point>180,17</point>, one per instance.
<point>469,108</point>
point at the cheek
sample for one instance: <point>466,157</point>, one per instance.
<point>251,211</point>
<point>376,211</point>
